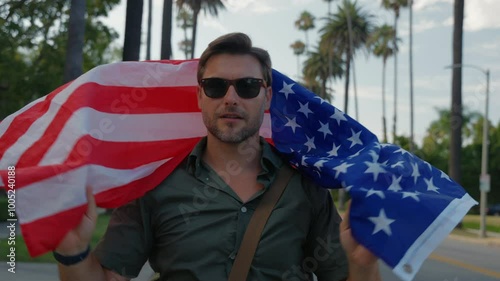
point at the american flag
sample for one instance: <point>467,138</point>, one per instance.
<point>121,128</point>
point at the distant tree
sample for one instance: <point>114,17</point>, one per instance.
<point>185,47</point>
<point>395,6</point>
<point>382,45</point>
<point>185,21</point>
<point>33,47</point>
<point>329,6</point>
<point>73,66</point>
<point>150,25</point>
<point>133,24</point>
<point>456,93</point>
<point>298,49</point>
<point>318,67</point>
<point>335,36</point>
<point>210,6</point>
<point>304,23</point>
<point>166,30</point>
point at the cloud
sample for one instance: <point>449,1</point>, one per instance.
<point>428,4</point>
<point>252,6</point>
<point>481,14</point>
<point>214,23</point>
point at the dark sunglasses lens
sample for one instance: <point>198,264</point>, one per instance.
<point>214,87</point>
<point>248,88</point>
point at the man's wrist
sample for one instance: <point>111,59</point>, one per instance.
<point>72,259</point>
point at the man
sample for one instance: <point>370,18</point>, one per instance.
<point>190,227</point>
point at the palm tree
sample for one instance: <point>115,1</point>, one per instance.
<point>304,23</point>
<point>74,49</point>
<point>412,137</point>
<point>329,6</point>
<point>456,93</point>
<point>382,44</point>
<point>335,36</point>
<point>210,6</point>
<point>395,5</point>
<point>185,21</point>
<point>166,30</point>
<point>185,47</point>
<point>318,69</point>
<point>150,23</point>
<point>298,49</point>
<point>133,24</point>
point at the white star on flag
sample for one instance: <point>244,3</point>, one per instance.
<point>339,116</point>
<point>292,123</point>
<point>398,164</point>
<point>354,139</point>
<point>372,191</point>
<point>319,163</point>
<point>325,129</point>
<point>416,173</point>
<point>382,222</point>
<point>342,168</point>
<point>395,186</point>
<point>334,151</point>
<point>304,108</point>
<point>411,195</point>
<point>287,89</point>
<point>431,186</point>
<point>310,143</point>
<point>375,169</point>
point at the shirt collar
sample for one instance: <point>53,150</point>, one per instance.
<point>270,160</point>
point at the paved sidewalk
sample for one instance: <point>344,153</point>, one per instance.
<point>48,272</point>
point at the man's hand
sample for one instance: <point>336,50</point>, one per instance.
<point>78,239</point>
<point>363,264</point>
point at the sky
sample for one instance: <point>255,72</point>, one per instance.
<point>270,24</point>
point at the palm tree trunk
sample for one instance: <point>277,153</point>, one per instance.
<point>74,51</point>
<point>307,42</point>
<point>394,128</point>
<point>195,27</point>
<point>347,70</point>
<point>456,93</point>
<point>298,67</point>
<point>133,24</point>
<point>412,137</point>
<point>349,29</point>
<point>166,31</point>
<point>384,124</point>
<point>150,22</point>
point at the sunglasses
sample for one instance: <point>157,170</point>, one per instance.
<point>247,88</point>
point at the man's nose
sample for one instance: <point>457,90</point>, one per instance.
<point>231,96</point>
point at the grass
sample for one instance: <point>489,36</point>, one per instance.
<point>22,254</point>
<point>473,222</point>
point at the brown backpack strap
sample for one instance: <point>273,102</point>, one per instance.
<point>257,222</point>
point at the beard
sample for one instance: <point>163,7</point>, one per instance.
<point>233,133</point>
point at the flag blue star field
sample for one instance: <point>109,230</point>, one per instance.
<point>402,207</point>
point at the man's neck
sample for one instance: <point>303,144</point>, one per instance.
<point>233,156</point>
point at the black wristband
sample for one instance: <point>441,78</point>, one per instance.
<point>70,260</point>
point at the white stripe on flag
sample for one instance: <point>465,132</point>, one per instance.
<point>123,128</point>
<point>54,195</point>
<point>423,246</point>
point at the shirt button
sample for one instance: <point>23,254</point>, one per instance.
<point>243,209</point>
<point>232,256</point>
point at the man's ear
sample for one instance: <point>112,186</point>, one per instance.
<point>269,95</point>
<point>198,95</point>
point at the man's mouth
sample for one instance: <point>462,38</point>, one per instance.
<point>231,116</point>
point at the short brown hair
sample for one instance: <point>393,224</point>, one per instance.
<point>236,44</point>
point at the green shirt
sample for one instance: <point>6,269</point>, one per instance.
<point>191,226</point>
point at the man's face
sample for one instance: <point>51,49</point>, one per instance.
<point>232,118</point>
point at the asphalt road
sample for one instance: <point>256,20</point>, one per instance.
<point>457,261</point>
<point>451,261</point>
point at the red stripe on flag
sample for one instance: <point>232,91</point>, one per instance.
<point>22,122</point>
